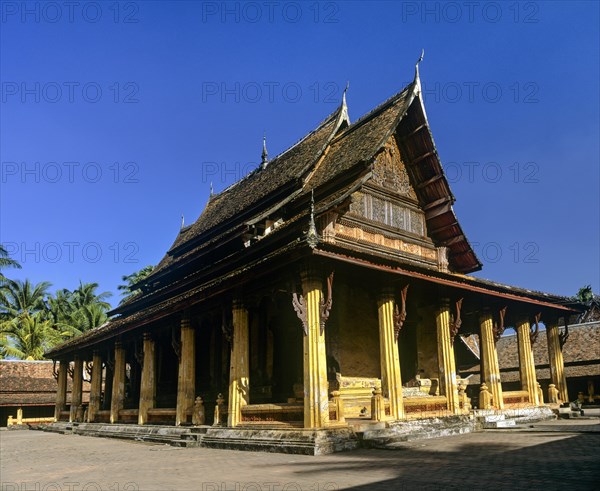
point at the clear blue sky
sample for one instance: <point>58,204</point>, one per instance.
<point>116,117</point>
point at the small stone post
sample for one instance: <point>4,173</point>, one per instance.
<point>485,397</point>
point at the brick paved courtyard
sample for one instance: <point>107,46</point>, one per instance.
<point>554,455</point>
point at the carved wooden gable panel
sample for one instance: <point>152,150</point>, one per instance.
<point>389,171</point>
<point>388,212</point>
<point>385,213</point>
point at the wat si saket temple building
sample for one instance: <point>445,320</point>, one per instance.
<point>325,290</point>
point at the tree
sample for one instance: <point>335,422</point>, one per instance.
<point>86,295</point>
<point>585,294</point>
<point>132,281</point>
<point>18,297</point>
<point>6,262</point>
<point>75,312</point>
<point>27,336</point>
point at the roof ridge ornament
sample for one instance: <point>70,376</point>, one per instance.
<point>417,80</point>
<point>212,191</point>
<point>264,160</point>
<point>182,222</point>
<point>344,106</point>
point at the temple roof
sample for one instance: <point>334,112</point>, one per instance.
<point>581,353</point>
<point>330,153</point>
<point>329,163</point>
<point>31,383</point>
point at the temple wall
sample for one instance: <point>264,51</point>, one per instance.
<point>427,353</point>
<point>354,337</point>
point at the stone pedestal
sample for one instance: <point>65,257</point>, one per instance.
<point>489,359</point>
<point>446,359</point>
<point>148,382</point>
<point>186,381</point>
<point>239,373</point>
<point>391,380</point>
<point>526,362</point>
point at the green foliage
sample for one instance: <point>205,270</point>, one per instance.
<point>131,282</point>
<point>6,262</point>
<point>32,321</point>
<point>585,294</point>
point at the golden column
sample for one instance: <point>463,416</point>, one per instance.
<point>61,391</point>
<point>526,362</point>
<point>77,388</point>
<point>239,372</point>
<point>557,364</point>
<point>148,382</point>
<point>316,402</point>
<point>446,359</point>
<point>391,380</point>
<point>118,385</point>
<point>186,383</point>
<point>489,359</point>
<point>96,387</point>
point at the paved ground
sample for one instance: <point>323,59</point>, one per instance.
<point>555,455</point>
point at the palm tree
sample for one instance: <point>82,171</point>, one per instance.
<point>131,282</point>
<point>18,297</point>
<point>27,336</point>
<point>86,294</point>
<point>77,311</point>
<point>6,262</point>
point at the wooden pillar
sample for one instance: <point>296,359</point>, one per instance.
<point>316,402</point>
<point>186,381</point>
<point>239,372</point>
<point>447,363</point>
<point>489,359</point>
<point>61,391</point>
<point>148,382</point>
<point>96,387</point>
<point>77,388</point>
<point>557,364</point>
<point>526,362</point>
<point>118,385</point>
<point>391,380</point>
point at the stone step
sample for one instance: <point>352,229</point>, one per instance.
<point>507,423</point>
<point>405,431</point>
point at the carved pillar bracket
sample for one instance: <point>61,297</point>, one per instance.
<point>299,305</point>
<point>54,370</point>
<point>564,335</point>
<point>499,326</point>
<point>176,342</point>
<point>325,305</point>
<point>455,321</point>
<point>534,333</point>
<point>400,315</point>
<point>227,324</point>
<point>138,353</point>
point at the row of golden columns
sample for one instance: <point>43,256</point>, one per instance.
<point>316,401</point>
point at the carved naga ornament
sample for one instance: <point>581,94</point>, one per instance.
<point>564,335</point>
<point>176,342</point>
<point>325,306</point>
<point>455,321</point>
<point>535,332</point>
<point>400,315</point>
<point>54,370</point>
<point>299,304</point>
<point>499,326</point>
<point>227,325</point>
